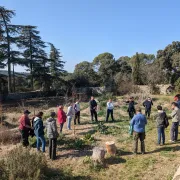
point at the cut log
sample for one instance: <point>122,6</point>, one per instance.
<point>177,175</point>
<point>111,148</point>
<point>98,155</point>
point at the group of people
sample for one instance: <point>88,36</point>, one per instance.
<point>36,127</point>
<point>139,121</point>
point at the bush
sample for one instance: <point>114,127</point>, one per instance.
<point>177,85</point>
<point>106,97</point>
<point>154,89</point>
<point>22,164</point>
<point>8,137</point>
<point>3,172</point>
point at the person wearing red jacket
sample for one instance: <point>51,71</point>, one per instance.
<point>25,127</point>
<point>61,116</point>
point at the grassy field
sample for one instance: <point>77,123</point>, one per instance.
<point>75,148</point>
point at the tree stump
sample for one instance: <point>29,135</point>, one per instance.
<point>98,155</point>
<point>111,148</point>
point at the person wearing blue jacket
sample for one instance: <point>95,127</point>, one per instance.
<point>39,131</point>
<point>148,104</point>
<point>138,124</point>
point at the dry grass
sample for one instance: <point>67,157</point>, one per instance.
<point>160,163</point>
<point>7,136</point>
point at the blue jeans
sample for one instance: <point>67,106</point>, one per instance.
<point>69,118</point>
<point>43,142</point>
<point>161,135</point>
<point>174,131</point>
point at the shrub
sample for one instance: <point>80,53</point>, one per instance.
<point>177,85</point>
<point>106,97</point>
<point>8,137</point>
<point>101,128</point>
<point>3,172</point>
<point>154,89</point>
<point>21,164</point>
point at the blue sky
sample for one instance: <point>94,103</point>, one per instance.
<point>82,29</point>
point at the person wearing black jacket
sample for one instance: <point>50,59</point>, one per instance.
<point>148,104</point>
<point>131,109</point>
<point>93,108</point>
<point>162,123</point>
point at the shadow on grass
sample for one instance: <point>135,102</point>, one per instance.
<point>114,160</point>
<point>57,174</point>
<point>165,149</point>
<point>92,131</point>
<point>124,153</point>
<point>75,153</point>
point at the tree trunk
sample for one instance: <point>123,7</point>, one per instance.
<point>8,52</point>
<point>98,155</point>
<point>31,61</point>
<point>14,83</point>
<point>111,148</point>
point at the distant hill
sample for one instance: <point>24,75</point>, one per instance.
<point>17,74</point>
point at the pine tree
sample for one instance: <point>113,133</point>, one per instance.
<point>136,70</point>
<point>5,45</point>
<point>33,48</point>
<point>57,65</point>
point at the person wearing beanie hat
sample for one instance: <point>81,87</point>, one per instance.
<point>52,135</point>
<point>25,127</point>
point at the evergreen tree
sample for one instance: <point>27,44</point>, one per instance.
<point>136,75</point>
<point>5,45</point>
<point>33,47</point>
<point>56,66</point>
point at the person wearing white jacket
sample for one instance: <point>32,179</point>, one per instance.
<point>110,108</point>
<point>70,114</point>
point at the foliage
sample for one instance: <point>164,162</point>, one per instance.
<point>8,137</point>
<point>77,143</point>
<point>3,171</point>
<point>17,166</point>
<point>101,128</point>
<point>177,85</point>
<point>136,70</point>
<point>154,89</point>
<point>106,97</point>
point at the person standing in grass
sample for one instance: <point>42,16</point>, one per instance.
<point>162,123</point>
<point>138,124</point>
<point>110,108</point>
<point>25,127</point>
<point>39,131</point>
<point>61,115</point>
<point>175,122</point>
<point>93,108</point>
<point>131,108</point>
<point>77,112</point>
<point>52,134</point>
<point>148,104</point>
<point>70,114</point>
